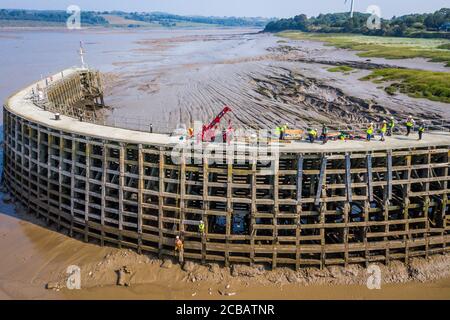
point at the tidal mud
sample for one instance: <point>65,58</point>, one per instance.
<point>265,80</point>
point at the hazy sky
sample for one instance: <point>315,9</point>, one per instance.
<point>265,8</point>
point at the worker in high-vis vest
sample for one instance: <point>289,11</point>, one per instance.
<point>312,135</point>
<point>190,132</point>
<point>421,129</point>
<point>283,131</point>
<point>409,125</point>
<point>391,127</point>
<point>369,132</point>
<point>324,133</point>
<point>180,248</point>
<point>201,227</point>
<point>278,132</point>
<point>383,130</point>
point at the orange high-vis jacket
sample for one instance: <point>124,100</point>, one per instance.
<point>178,245</point>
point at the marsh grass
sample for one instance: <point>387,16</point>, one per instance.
<point>436,50</point>
<point>343,69</point>
<point>415,83</point>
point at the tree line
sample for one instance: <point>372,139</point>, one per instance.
<point>58,16</point>
<point>96,18</point>
<point>161,17</point>
<point>435,24</point>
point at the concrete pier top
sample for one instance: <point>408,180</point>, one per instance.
<point>21,104</point>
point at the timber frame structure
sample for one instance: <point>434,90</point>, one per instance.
<point>330,206</point>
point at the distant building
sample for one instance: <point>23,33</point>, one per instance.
<point>445,27</point>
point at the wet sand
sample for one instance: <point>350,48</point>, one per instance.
<point>33,256</point>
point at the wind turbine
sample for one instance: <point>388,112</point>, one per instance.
<point>352,8</point>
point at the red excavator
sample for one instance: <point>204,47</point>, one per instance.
<point>209,131</point>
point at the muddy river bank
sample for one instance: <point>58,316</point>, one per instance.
<point>267,82</point>
<point>35,261</point>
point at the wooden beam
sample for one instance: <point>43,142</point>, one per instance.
<point>321,181</point>
<point>369,177</point>
<point>348,177</point>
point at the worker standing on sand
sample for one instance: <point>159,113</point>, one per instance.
<point>180,248</point>
<point>409,125</point>
<point>201,227</point>
<point>391,127</point>
<point>324,133</point>
<point>421,129</point>
<point>383,130</point>
<point>369,132</point>
<point>312,135</point>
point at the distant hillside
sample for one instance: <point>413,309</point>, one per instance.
<point>13,17</point>
<point>49,16</point>
<point>172,19</point>
<point>427,25</point>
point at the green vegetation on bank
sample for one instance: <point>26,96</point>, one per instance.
<point>435,50</point>
<point>427,25</point>
<point>172,19</point>
<point>415,83</point>
<point>444,46</point>
<point>344,69</point>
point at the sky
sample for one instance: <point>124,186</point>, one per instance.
<point>248,8</point>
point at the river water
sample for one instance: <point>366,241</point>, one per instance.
<point>144,55</point>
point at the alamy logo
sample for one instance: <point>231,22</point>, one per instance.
<point>74,279</point>
<point>374,279</point>
<point>74,20</point>
<point>374,21</point>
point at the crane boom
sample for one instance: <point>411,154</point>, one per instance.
<point>215,121</point>
<point>219,117</point>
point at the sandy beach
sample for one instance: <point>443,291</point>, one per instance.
<point>34,256</point>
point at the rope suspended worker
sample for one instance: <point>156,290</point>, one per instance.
<point>369,132</point>
<point>179,247</point>
<point>312,135</point>
<point>201,227</point>
<point>409,125</point>
<point>383,130</point>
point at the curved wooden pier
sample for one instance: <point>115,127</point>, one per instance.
<point>342,203</point>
